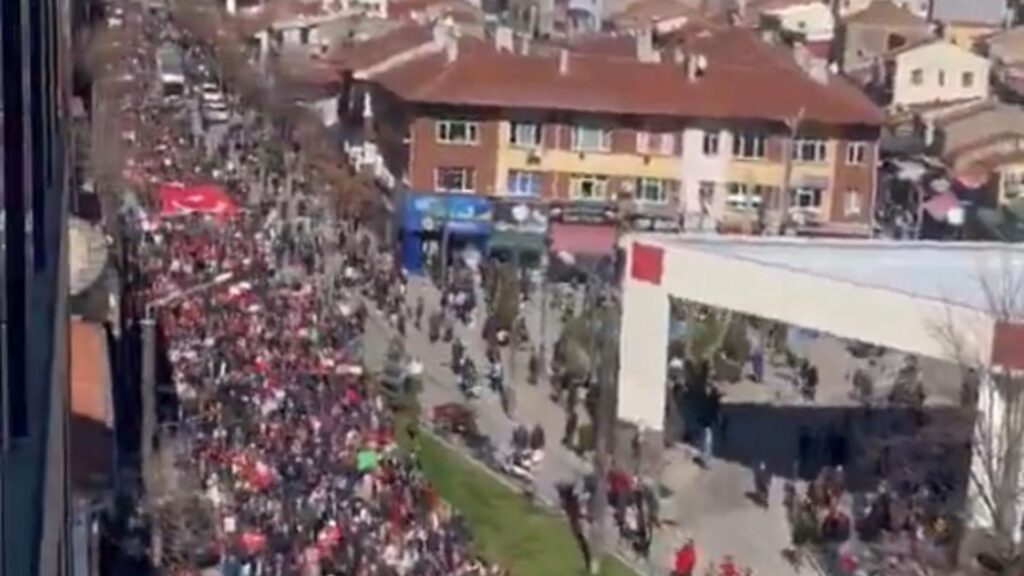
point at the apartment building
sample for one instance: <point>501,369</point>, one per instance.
<point>701,132</point>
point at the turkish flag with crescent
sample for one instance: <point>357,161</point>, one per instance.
<point>177,198</point>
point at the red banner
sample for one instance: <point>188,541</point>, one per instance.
<point>177,198</point>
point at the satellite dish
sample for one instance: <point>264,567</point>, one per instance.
<point>520,212</point>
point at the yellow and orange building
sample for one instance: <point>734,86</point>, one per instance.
<point>699,126</point>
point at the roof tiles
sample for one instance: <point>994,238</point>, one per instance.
<point>745,79</point>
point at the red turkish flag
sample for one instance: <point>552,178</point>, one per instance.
<point>647,263</point>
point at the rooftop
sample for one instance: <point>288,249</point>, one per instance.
<point>976,12</point>
<point>745,78</point>
<point>886,13</point>
<point>950,272</point>
<point>362,55</point>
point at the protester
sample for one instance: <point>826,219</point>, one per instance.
<point>295,449</point>
<point>685,560</point>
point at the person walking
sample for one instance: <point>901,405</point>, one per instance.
<point>685,559</point>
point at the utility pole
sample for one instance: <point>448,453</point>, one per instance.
<point>510,392</point>
<point>604,430</point>
<point>793,126</point>
<point>148,394</point>
<point>543,337</point>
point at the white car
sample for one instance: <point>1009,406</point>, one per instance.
<point>216,112</point>
<point>211,94</point>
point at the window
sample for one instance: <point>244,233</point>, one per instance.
<point>742,196</point>
<point>1013,185</point>
<point>457,132</point>
<point>967,79</point>
<point>654,190</point>
<point>810,150</point>
<point>856,153</point>
<point>707,197</point>
<point>525,134</point>
<point>851,202</point>
<point>942,77</point>
<point>748,146</point>
<point>663,143</point>
<point>711,143</point>
<point>590,139</point>
<point>917,76</point>
<point>805,198</point>
<point>587,187</point>
<point>523,183</point>
<point>454,179</point>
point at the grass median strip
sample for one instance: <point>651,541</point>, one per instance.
<point>507,528</point>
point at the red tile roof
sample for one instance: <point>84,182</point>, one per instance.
<point>886,13</point>
<point>353,57</point>
<point>403,9</point>
<point>745,79</point>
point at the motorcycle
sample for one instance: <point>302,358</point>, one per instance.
<point>519,464</point>
<point>495,377</point>
<point>469,384</point>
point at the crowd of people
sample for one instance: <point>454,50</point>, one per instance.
<point>296,452</point>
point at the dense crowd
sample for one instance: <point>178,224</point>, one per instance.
<point>295,451</point>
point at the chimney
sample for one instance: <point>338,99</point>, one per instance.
<point>679,56</point>
<point>563,62</point>
<point>503,39</point>
<point>445,37</point>
<point>451,49</point>
<point>696,65</point>
<point>741,9</point>
<point>816,68</point>
<point>524,45</point>
<point>645,51</point>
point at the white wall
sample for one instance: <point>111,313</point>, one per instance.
<point>813,19</point>
<point>935,60</point>
<point>888,318</point>
<point>697,168</point>
<point>643,352</point>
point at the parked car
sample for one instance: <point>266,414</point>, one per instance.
<point>210,93</point>
<point>216,112</point>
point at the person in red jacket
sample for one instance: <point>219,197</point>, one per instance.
<point>686,559</point>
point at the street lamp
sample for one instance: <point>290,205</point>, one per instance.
<point>148,383</point>
<point>603,336</point>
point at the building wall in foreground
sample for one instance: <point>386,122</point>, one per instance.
<point>896,320</point>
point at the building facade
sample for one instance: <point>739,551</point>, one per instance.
<point>566,135</point>
<point>938,72</point>
<point>35,512</point>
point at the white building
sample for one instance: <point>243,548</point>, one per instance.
<point>938,71</point>
<point>813,20</point>
<point>905,296</point>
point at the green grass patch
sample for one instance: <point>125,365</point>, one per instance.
<point>507,528</point>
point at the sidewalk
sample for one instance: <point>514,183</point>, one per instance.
<point>710,506</point>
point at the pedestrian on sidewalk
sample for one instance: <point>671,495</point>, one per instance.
<point>685,560</point>
<point>569,436</point>
<point>418,313</point>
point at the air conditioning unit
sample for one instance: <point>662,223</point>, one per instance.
<point>533,157</point>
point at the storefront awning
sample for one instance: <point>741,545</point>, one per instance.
<point>92,411</point>
<point>511,240</point>
<point>583,239</point>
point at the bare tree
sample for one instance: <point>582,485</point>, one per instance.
<point>277,96</point>
<point>182,518</point>
<point>996,482</point>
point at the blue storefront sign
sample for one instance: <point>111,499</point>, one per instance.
<point>423,217</point>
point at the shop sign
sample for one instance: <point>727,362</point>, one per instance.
<point>584,213</point>
<point>520,217</point>
<point>648,223</point>
<point>459,212</point>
